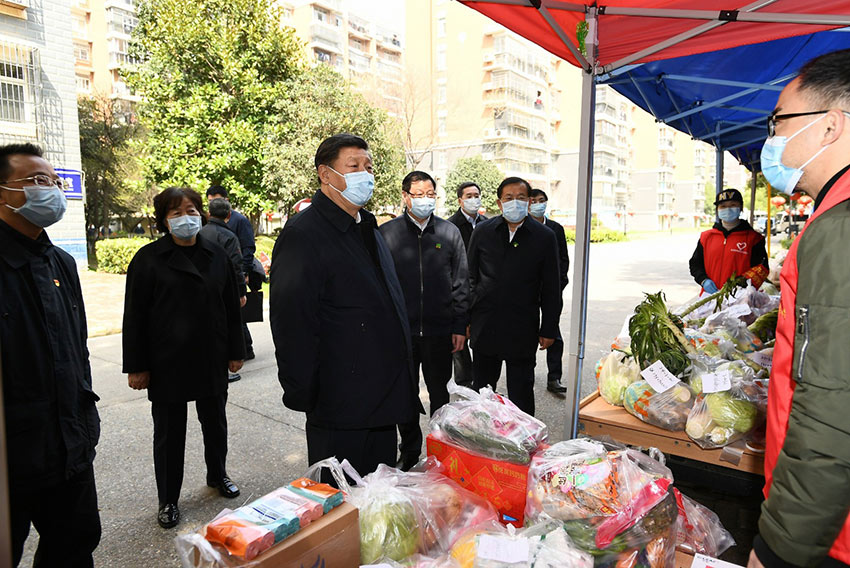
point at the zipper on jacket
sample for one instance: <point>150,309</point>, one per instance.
<point>421,291</point>
<point>802,329</point>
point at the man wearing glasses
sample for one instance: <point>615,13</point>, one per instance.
<point>430,260</point>
<point>52,423</point>
<point>804,520</point>
<point>514,277</point>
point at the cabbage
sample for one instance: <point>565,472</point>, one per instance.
<point>613,386</point>
<point>729,412</point>
<point>388,529</point>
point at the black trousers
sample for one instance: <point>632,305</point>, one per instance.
<point>434,355</point>
<point>463,366</point>
<point>169,442</point>
<point>364,449</point>
<point>520,373</point>
<point>249,341</point>
<point>554,358</point>
<point>66,518</point>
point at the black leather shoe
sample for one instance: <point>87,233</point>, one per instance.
<point>556,387</point>
<point>233,377</point>
<point>168,516</point>
<point>226,487</point>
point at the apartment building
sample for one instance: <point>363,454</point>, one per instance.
<point>370,55</point>
<point>38,101</point>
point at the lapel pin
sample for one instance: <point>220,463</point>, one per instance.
<point>439,245</point>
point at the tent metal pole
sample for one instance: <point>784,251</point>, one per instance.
<point>578,312</point>
<point>753,198</point>
<point>559,31</point>
<point>720,102</point>
<point>732,15</point>
<point>718,171</point>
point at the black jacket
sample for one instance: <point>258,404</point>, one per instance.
<point>181,319</point>
<point>461,222</point>
<point>432,271</point>
<point>217,231</point>
<point>697,262</point>
<point>239,224</point>
<point>52,425</point>
<point>338,321</point>
<point>563,253</point>
<point>511,283</point>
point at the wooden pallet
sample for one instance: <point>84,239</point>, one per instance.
<point>598,418</point>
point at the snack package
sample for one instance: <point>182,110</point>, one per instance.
<point>614,504</point>
<point>489,424</point>
<point>328,497</point>
<point>698,530</point>
<point>732,402</point>
<point>306,509</point>
<point>274,514</point>
<point>668,410</point>
<point>615,372</point>
<point>239,537</point>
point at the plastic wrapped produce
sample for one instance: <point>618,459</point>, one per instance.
<point>698,530</point>
<point>616,372</point>
<point>614,505</point>
<point>668,409</point>
<point>490,425</point>
<point>728,325</point>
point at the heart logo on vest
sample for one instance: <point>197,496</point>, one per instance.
<point>742,246</point>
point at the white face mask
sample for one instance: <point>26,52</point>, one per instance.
<point>471,205</point>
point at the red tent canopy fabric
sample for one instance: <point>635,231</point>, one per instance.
<point>620,36</point>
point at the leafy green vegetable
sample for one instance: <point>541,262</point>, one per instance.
<point>388,528</point>
<point>765,326</point>
<point>729,412</point>
<point>657,335</point>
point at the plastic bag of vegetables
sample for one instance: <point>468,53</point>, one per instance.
<point>728,325</point>
<point>668,409</point>
<point>489,424</point>
<point>732,404</point>
<point>699,530</point>
<point>616,505</point>
<point>616,372</point>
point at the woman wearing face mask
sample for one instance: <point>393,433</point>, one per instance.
<point>182,332</point>
<point>731,246</point>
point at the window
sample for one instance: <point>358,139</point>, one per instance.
<point>118,52</point>
<point>83,84</point>
<point>355,43</point>
<point>121,21</point>
<point>441,58</point>
<point>81,52</point>
<point>441,28</point>
<point>441,126</point>
<point>79,25</point>
<point>321,15</point>
<point>17,87</point>
<point>441,94</point>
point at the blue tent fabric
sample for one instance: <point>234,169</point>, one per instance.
<point>723,97</point>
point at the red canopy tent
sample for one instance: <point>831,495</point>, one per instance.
<point>604,37</point>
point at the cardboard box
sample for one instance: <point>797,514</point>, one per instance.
<point>502,483</point>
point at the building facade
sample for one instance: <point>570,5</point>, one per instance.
<point>38,101</point>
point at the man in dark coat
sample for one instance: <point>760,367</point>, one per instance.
<point>52,425</point>
<point>430,260</point>
<point>537,211</point>
<point>338,317</point>
<point>465,219</point>
<point>244,231</point>
<point>513,273</point>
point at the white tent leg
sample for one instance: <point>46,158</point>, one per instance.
<point>753,198</point>
<point>578,313</point>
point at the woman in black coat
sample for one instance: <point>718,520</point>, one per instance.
<point>182,332</point>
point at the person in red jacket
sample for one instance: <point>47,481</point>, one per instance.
<point>731,246</point>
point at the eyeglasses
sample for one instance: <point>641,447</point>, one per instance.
<point>430,195</point>
<point>774,118</point>
<point>43,180</point>
<point>506,198</point>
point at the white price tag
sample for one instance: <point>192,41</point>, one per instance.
<point>716,382</point>
<point>659,378</point>
<point>765,359</point>
<point>738,310</point>
<point>503,549</point>
<point>703,561</point>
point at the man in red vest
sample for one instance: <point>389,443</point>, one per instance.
<point>804,520</point>
<point>731,246</point>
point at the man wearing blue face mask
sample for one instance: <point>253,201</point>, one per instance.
<point>52,424</point>
<point>513,279</point>
<point>731,246</point>
<point>338,317</point>
<point>430,260</point>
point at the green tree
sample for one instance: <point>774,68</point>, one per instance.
<point>106,137</point>
<point>211,76</point>
<point>486,175</point>
<point>319,105</point>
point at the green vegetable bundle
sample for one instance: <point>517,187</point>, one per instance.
<point>657,335</point>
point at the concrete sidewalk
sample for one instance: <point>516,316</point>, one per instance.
<point>103,295</point>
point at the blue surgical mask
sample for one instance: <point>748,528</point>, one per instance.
<point>777,174</point>
<point>514,211</point>
<point>729,214</point>
<point>471,205</point>
<point>185,227</point>
<point>358,187</point>
<point>44,206</point>
<point>422,207</point>
<point>537,209</point>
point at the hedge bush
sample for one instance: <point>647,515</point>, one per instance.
<point>114,255</point>
<point>598,236</point>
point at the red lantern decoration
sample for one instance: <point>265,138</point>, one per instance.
<point>777,201</point>
<point>805,200</point>
<point>795,196</point>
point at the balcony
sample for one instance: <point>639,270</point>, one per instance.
<point>329,5</point>
<point>326,38</point>
<point>129,5</point>
<point>388,39</point>
<point>359,63</point>
<point>359,27</point>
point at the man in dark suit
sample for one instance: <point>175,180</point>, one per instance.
<point>338,318</point>
<point>465,219</point>
<point>537,211</point>
<point>430,260</point>
<point>513,273</point>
